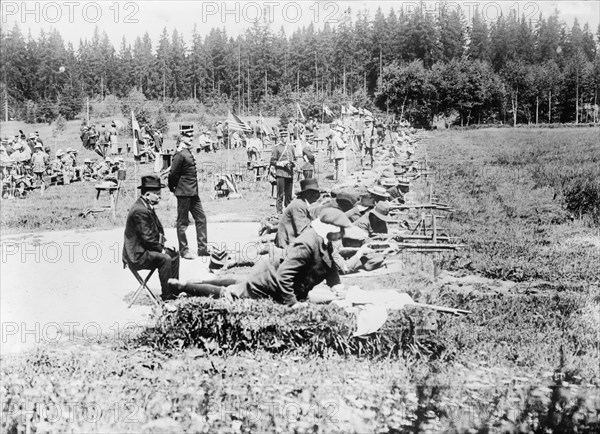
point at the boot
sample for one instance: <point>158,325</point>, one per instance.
<point>203,290</point>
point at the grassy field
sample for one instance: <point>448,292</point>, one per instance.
<point>60,206</point>
<point>527,202</point>
<point>525,361</point>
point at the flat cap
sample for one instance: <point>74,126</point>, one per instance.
<point>335,217</point>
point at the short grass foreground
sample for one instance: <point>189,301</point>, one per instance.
<point>520,363</point>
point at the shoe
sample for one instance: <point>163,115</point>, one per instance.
<point>168,296</point>
<point>187,255</point>
<point>203,253</point>
<point>174,289</point>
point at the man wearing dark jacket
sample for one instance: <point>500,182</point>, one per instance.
<point>183,182</point>
<point>144,246</point>
<point>282,158</point>
<point>306,263</point>
<point>296,216</point>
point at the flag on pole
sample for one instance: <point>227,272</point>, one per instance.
<point>327,111</point>
<point>299,112</point>
<point>264,127</point>
<point>137,134</point>
<point>236,124</point>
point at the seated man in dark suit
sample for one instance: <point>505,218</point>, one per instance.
<point>144,247</point>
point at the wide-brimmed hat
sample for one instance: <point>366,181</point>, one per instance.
<point>87,160</point>
<point>382,211</point>
<point>151,182</point>
<point>368,119</point>
<point>309,184</point>
<point>32,135</point>
<point>379,191</point>
<point>387,173</point>
<point>38,146</point>
<point>60,152</point>
<point>389,182</point>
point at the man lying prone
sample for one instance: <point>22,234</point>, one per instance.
<point>308,261</point>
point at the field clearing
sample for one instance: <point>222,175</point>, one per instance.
<point>509,189</point>
<point>60,206</point>
<point>525,361</point>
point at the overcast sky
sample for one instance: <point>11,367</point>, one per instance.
<point>76,19</point>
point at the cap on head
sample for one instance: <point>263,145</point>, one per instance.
<point>366,202</point>
<point>335,217</point>
<point>345,201</point>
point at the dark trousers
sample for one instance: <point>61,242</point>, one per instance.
<point>167,264</point>
<point>284,192</point>
<point>185,205</point>
<point>208,288</point>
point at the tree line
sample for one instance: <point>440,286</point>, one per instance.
<point>418,65</point>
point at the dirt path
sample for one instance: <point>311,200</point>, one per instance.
<point>71,286</point>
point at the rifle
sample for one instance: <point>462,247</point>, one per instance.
<point>442,309</point>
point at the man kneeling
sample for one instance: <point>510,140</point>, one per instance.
<point>306,263</point>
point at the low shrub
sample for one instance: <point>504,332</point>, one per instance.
<point>251,325</point>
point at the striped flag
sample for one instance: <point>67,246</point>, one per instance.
<point>236,124</point>
<point>327,111</point>
<point>299,112</point>
<point>137,134</point>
